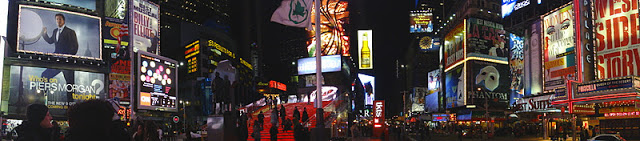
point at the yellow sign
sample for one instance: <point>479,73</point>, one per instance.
<point>554,63</point>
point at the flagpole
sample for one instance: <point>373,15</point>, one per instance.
<point>319,110</point>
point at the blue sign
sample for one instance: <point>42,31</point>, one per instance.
<point>509,6</point>
<point>331,63</point>
<point>601,86</point>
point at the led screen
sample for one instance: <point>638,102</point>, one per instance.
<point>433,80</point>
<point>115,9</point>
<point>58,32</point>
<point>420,21</point>
<point>56,88</point>
<point>491,82</point>
<point>486,39</point>
<point>369,83</point>
<point>516,65</point>
<point>454,87</point>
<point>335,17</point>
<point>454,46</point>
<point>157,82</point>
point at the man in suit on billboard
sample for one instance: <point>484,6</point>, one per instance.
<point>64,38</point>
<point>66,42</point>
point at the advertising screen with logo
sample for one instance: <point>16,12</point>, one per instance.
<point>420,21</point>
<point>365,49</point>
<point>516,65</point>
<point>369,83</point>
<point>454,46</point>
<point>378,113</point>
<point>331,63</point>
<point>617,42</point>
<point>157,78</point>
<point>559,48</point>
<point>490,81</point>
<point>433,80</point>
<point>486,39</point>
<point>454,87</point>
<point>56,88</point>
<point>144,26</point>
<point>57,32</point>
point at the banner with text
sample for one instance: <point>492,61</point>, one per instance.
<point>617,41</point>
<point>559,48</point>
<point>486,39</point>
<point>145,26</point>
<point>454,46</point>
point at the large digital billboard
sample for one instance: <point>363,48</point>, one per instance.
<point>56,88</point>
<point>365,49</point>
<point>417,99</point>
<point>144,26</point>
<point>490,81</point>
<point>58,32</point>
<point>454,87</point>
<point>454,46</point>
<point>115,9</point>
<point>89,4</point>
<point>335,41</point>
<point>369,83</point>
<point>509,6</point>
<point>158,82</point>
<point>559,48</point>
<point>616,27</point>
<point>516,65</point>
<point>486,39</point>
<point>420,21</point>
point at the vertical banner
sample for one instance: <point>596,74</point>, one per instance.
<point>145,26</point>
<point>533,66</point>
<point>584,27</point>
<point>454,87</point>
<point>365,49</point>
<point>516,65</point>
<point>559,48</point>
<point>378,117</point>
<point>454,46</point>
<point>617,41</point>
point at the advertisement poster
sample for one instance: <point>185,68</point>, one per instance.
<point>559,48</point>
<point>417,99</point>
<point>486,39</point>
<point>420,21</point>
<point>58,32</point>
<point>516,65</point>
<point>158,84</point>
<point>532,60</point>
<point>144,25</point>
<point>365,49</point>
<point>509,6</point>
<point>369,83</point>
<point>89,4</point>
<point>115,9</point>
<point>434,80</point>
<point>454,87</point>
<point>431,102</point>
<point>490,81</point>
<point>617,39</point>
<point>454,46</point>
<point>119,86</point>
<point>55,88</point>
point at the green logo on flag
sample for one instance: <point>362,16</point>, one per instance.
<point>298,11</point>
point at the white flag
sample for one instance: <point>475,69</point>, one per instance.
<point>295,13</point>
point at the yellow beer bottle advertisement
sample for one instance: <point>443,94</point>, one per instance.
<point>365,50</point>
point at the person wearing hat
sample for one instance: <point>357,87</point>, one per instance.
<point>38,126</point>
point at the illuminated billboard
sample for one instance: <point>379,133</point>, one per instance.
<point>144,26</point>
<point>417,99</point>
<point>57,32</point>
<point>509,6</point>
<point>559,48</point>
<point>89,4</point>
<point>533,67</point>
<point>56,88</point>
<point>157,78</point>
<point>491,81</point>
<point>115,9</point>
<point>332,63</point>
<point>369,83</point>
<point>433,80</point>
<point>454,46</point>
<point>365,49</point>
<point>334,18</point>
<point>420,21</point>
<point>454,87</point>
<point>486,39</point>
<point>617,41</point>
<point>427,43</point>
<point>516,65</point>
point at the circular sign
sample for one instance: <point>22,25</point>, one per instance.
<point>176,119</point>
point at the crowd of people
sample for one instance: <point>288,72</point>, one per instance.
<point>278,118</point>
<point>95,120</point>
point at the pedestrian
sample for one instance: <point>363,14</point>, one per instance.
<point>305,116</point>
<point>274,117</point>
<point>137,136</point>
<point>94,120</point>
<point>257,127</point>
<point>274,133</point>
<point>261,120</point>
<point>283,114</point>
<point>296,114</point>
<point>38,126</point>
